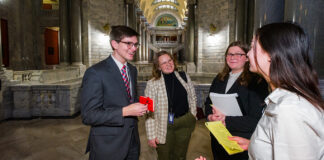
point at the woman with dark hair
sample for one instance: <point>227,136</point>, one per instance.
<point>169,127</point>
<point>292,126</point>
<point>251,90</point>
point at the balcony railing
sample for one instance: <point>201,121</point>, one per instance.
<point>166,42</point>
<point>50,13</point>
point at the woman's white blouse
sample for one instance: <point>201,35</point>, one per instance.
<point>291,128</point>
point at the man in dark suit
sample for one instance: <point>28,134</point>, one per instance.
<point>108,96</point>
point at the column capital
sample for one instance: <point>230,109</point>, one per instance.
<point>192,2</point>
<point>139,12</point>
<point>129,1</point>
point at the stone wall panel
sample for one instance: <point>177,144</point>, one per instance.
<point>97,13</point>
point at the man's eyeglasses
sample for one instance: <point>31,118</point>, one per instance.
<point>235,55</point>
<point>130,44</point>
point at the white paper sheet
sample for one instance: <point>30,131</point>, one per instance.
<point>226,103</point>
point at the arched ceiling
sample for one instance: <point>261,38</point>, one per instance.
<point>51,2</point>
<point>150,10</point>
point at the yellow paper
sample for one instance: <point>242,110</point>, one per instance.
<point>221,133</point>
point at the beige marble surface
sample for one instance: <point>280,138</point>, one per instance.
<point>66,138</point>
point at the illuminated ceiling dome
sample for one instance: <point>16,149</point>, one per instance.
<point>152,9</point>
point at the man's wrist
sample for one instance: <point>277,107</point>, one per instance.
<point>125,111</point>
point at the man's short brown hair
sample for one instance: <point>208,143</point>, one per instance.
<point>119,32</point>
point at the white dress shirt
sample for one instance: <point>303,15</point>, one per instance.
<point>120,66</point>
<point>291,128</point>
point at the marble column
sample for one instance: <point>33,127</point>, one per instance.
<point>64,33</point>
<point>154,38</point>
<point>150,52</point>
<point>147,42</point>
<point>250,21</point>
<point>126,15</point>
<point>191,29</point>
<point>143,41</point>
<point>309,14</point>
<point>75,19</point>
<point>0,51</point>
<point>183,35</point>
<point>240,20</point>
<point>178,38</point>
<point>139,30</point>
<point>130,14</point>
<point>268,11</point>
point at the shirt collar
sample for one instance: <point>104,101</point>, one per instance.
<point>119,64</point>
<point>276,95</point>
<point>275,98</point>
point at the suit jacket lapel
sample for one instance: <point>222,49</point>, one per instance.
<point>132,77</point>
<point>221,86</point>
<point>234,88</point>
<point>115,74</point>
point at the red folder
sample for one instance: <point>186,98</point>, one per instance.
<point>148,101</point>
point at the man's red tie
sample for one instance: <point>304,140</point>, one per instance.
<point>125,78</point>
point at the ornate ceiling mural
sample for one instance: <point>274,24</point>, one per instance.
<point>167,20</point>
<point>174,8</point>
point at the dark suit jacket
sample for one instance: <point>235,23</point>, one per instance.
<point>103,96</point>
<point>251,101</point>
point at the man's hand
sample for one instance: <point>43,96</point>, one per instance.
<point>153,142</point>
<point>135,109</point>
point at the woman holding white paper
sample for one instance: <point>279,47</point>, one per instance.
<point>251,90</point>
<point>169,127</point>
<point>292,126</point>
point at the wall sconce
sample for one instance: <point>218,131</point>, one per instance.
<point>107,29</point>
<point>212,29</point>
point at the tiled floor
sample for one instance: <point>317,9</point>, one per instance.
<point>65,139</point>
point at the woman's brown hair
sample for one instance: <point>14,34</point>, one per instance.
<point>245,77</point>
<point>291,67</point>
<point>156,72</point>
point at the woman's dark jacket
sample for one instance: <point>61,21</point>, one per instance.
<point>251,101</point>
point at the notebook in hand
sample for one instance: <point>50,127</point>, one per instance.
<point>221,134</point>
